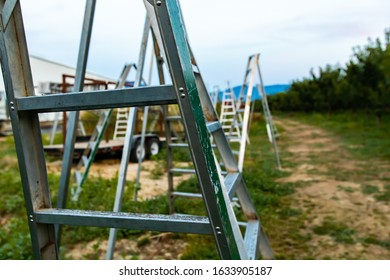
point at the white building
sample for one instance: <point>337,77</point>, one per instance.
<point>46,75</point>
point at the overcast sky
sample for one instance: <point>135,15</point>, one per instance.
<point>292,35</point>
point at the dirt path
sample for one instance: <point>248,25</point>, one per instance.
<point>346,215</point>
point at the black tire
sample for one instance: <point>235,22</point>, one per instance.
<point>135,152</point>
<point>152,147</point>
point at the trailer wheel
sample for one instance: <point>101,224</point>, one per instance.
<point>136,152</point>
<point>153,147</point>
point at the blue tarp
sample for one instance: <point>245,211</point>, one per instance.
<point>269,90</point>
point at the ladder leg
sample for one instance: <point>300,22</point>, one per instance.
<point>143,132</point>
<point>268,117</point>
<point>74,116</point>
<point>128,143</point>
<point>167,125</point>
<point>26,129</point>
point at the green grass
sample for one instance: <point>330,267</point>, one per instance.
<point>369,189</point>
<point>339,231</point>
<point>361,132</point>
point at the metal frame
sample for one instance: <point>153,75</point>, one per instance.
<point>243,116</point>
<point>199,118</point>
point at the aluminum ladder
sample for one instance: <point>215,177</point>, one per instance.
<point>230,121</point>
<point>187,90</point>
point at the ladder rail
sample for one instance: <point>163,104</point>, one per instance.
<point>128,142</point>
<point>269,121</point>
<point>18,83</point>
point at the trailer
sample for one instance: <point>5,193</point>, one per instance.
<point>111,148</point>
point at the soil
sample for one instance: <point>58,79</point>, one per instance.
<point>157,247</point>
<point>331,190</point>
<point>151,185</point>
<point>161,246</point>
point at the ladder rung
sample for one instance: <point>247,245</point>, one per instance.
<point>152,222</point>
<point>195,69</point>
<point>173,118</point>
<point>213,126</point>
<point>235,139</point>
<point>231,183</point>
<point>184,194</point>
<point>178,145</point>
<point>251,239</point>
<point>182,170</point>
<point>101,99</point>
<point>185,145</point>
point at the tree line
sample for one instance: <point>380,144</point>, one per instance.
<point>362,84</point>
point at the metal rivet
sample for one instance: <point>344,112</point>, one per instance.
<point>217,228</point>
<point>12,108</point>
<point>182,95</point>
<point>12,103</point>
<point>158,3</point>
<point>219,233</point>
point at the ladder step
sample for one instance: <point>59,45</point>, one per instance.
<point>150,222</point>
<point>251,239</point>
<point>182,170</point>
<point>213,126</point>
<point>234,139</point>
<point>189,195</point>
<point>231,182</point>
<point>185,145</point>
<point>195,69</point>
<point>173,118</point>
<point>178,145</point>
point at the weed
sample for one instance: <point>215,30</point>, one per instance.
<point>346,189</point>
<point>158,171</point>
<point>384,196</point>
<point>374,241</point>
<point>369,189</point>
<point>143,241</point>
<point>287,212</point>
<point>337,230</point>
